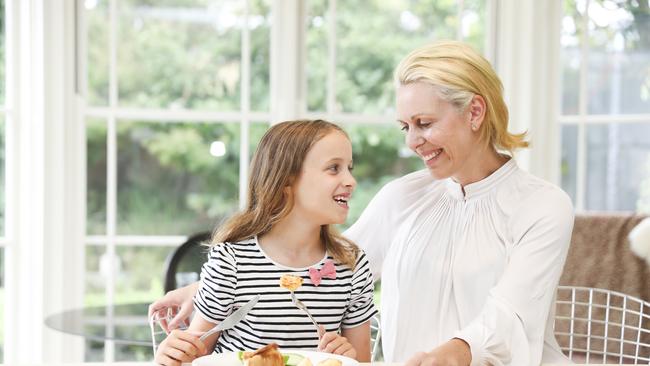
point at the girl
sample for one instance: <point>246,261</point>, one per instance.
<point>300,183</point>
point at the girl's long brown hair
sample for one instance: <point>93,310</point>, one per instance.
<point>276,164</point>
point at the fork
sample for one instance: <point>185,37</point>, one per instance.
<point>300,305</point>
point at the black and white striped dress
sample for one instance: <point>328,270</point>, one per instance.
<point>235,272</point>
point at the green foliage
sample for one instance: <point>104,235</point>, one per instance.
<point>2,178</point>
<point>368,48</point>
<point>2,322</point>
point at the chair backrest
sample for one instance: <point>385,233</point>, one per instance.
<point>602,326</point>
<point>158,326</point>
<point>375,339</point>
<point>183,265</point>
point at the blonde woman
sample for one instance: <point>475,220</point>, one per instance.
<point>470,249</point>
<point>300,184</point>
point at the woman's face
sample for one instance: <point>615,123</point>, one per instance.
<point>435,130</point>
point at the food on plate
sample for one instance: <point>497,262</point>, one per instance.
<point>305,362</point>
<point>330,362</point>
<point>268,355</point>
<point>290,359</point>
<point>290,282</point>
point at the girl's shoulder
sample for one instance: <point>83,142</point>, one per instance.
<point>234,248</point>
<point>361,262</point>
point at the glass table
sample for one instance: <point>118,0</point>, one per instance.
<point>125,324</point>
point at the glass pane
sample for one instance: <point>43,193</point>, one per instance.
<point>140,273</point>
<point>257,130</point>
<point>569,162</point>
<point>96,176</point>
<point>97,25</point>
<point>97,268</point>
<point>125,353</point>
<point>619,55</point>
<point>379,156</point>
<point>176,178</point>
<point>94,351</point>
<point>316,67</point>
<point>260,31</point>
<point>618,167</point>
<point>185,55</point>
<point>95,294</point>
<point>570,56</point>
<point>2,176</point>
<point>364,71</point>
<point>473,23</point>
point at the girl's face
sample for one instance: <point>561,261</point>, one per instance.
<point>325,184</point>
<point>435,130</point>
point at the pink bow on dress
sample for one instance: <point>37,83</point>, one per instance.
<point>328,271</point>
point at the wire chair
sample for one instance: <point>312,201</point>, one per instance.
<point>157,324</point>
<point>602,326</point>
<point>375,339</point>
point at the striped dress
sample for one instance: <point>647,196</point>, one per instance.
<point>236,272</point>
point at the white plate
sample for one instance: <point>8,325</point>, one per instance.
<point>231,359</point>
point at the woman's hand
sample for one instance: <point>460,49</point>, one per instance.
<point>332,342</point>
<point>181,300</point>
<point>453,353</point>
<point>179,346</point>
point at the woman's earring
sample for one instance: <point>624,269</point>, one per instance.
<point>473,127</point>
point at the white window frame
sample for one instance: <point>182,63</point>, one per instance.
<point>583,118</point>
<point>114,114</point>
<point>46,235</point>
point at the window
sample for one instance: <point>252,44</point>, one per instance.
<point>605,121</point>
<point>178,94</point>
<point>170,98</point>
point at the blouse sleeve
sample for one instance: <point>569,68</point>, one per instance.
<point>214,299</point>
<point>511,326</point>
<point>361,307</point>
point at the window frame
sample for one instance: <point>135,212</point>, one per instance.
<point>61,228</point>
<point>583,119</point>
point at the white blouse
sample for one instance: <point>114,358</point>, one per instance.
<point>482,266</point>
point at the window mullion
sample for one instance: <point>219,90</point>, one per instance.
<point>111,177</point>
<point>286,69</point>
<point>245,106</point>
<point>331,59</point>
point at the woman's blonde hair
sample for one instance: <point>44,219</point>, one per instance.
<point>276,164</point>
<point>458,73</point>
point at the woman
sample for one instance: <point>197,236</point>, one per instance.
<point>469,250</point>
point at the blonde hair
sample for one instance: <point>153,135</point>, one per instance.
<point>276,164</point>
<point>458,73</point>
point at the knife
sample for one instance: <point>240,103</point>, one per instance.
<point>232,319</point>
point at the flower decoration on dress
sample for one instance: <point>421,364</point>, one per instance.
<point>327,271</point>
